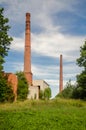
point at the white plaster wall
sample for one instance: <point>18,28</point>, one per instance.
<point>33,92</point>
<point>43,85</point>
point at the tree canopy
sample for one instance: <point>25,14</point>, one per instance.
<point>81,61</point>
<point>81,78</point>
<point>5,39</point>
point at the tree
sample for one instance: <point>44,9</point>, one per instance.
<point>6,93</point>
<point>5,39</point>
<point>81,78</point>
<point>22,91</point>
<point>81,61</point>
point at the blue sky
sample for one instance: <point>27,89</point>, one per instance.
<point>57,27</point>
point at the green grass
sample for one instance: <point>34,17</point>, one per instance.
<point>43,115</point>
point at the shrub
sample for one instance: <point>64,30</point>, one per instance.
<point>46,94</point>
<point>41,94</point>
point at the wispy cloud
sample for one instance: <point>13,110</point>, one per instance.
<point>52,45</point>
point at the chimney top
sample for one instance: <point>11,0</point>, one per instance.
<point>28,14</point>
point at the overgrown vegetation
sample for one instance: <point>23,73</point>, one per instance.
<point>6,92</point>
<point>43,115</point>
<point>22,91</point>
<point>46,94</point>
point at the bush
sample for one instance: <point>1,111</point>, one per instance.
<point>41,94</point>
<point>46,94</point>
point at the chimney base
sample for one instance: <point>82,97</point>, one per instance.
<point>28,76</point>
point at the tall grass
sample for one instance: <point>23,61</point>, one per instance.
<point>56,114</point>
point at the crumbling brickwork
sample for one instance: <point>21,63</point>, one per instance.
<point>13,81</point>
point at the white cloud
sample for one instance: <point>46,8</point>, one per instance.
<point>18,44</point>
<point>41,10</point>
<point>52,45</point>
<point>50,42</point>
<point>55,44</point>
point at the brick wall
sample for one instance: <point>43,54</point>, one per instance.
<point>12,79</point>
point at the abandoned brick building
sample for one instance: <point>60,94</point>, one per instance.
<point>34,85</point>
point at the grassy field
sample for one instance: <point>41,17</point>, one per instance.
<point>43,115</point>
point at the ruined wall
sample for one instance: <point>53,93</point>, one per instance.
<point>12,79</point>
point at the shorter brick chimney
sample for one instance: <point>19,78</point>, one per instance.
<point>61,75</point>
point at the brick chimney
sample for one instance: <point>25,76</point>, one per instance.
<point>27,53</point>
<point>61,75</point>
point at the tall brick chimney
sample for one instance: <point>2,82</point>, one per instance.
<point>61,75</point>
<point>27,53</point>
